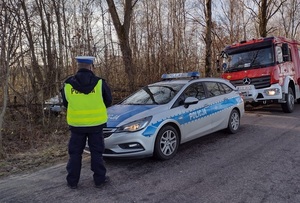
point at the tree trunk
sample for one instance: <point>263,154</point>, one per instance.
<point>123,36</point>
<point>5,42</point>
<point>208,40</point>
<point>35,66</point>
<point>59,8</point>
<point>3,109</point>
<point>263,20</point>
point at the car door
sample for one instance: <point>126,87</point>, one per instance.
<point>219,104</point>
<point>193,119</point>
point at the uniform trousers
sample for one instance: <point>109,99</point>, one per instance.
<point>76,146</point>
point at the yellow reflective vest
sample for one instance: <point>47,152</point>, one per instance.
<point>85,110</point>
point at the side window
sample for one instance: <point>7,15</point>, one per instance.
<point>195,90</point>
<point>213,89</point>
<point>286,52</point>
<point>216,89</point>
<point>190,91</point>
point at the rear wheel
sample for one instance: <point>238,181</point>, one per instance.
<point>288,107</point>
<point>234,122</point>
<point>166,143</point>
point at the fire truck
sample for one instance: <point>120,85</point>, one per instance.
<point>265,70</point>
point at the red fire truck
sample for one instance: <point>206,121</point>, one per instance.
<point>265,70</point>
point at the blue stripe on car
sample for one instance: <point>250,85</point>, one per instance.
<point>191,116</point>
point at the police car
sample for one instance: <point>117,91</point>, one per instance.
<point>159,117</point>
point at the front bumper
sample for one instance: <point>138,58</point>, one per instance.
<point>127,145</point>
<point>250,94</point>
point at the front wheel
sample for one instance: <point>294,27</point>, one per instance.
<point>288,106</point>
<point>166,143</point>
<point>234,122</point>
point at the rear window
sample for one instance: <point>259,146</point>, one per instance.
<point>217,88</point>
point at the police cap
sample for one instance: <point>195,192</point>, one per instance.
<point>85,59</point>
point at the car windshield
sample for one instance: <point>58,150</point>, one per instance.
<point>250,59</point>
<point>153,94</point>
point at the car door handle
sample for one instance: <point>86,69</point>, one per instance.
<point>206,105</point>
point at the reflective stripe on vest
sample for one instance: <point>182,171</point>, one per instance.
<point>85,110</point>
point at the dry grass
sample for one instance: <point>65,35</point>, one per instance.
<point>32,143</point>
<point>32,160</point>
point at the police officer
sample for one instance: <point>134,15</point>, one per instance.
<point>86,98</point>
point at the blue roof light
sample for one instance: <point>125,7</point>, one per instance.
<point>180,75</point>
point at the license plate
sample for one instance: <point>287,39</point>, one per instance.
<point>244,88</point>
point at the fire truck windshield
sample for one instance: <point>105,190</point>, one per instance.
<point>250,59</point>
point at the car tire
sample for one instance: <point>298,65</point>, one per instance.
<point>166,143</point>
<point>233,122</point>
<point>288,107</point>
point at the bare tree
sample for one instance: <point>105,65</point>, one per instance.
<point>9,26</point>
<point>290,18</point>
<point>208,41</point>
<point>266,10</point>
<point>206,22</point>
<point>123,36</point>
<point>234,20</point>
<point>59,9</point>
<point>4,67</point>
<point>35,73</point>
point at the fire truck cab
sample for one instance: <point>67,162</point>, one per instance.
<point>265,70</point>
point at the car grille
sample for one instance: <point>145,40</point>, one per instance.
<point>108,131</point>
<point>259,83</point>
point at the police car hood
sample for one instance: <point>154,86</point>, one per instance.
<point>119,113</point>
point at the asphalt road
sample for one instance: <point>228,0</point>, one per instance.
<point>259,164</point>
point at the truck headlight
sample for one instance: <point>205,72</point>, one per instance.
<point>135,125</point>
<point>272,92</point>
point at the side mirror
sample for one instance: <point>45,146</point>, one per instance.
<point>189,101</point>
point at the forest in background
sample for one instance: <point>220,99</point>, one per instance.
<point>134,42</point>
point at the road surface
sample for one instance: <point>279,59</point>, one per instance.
<point>261,163</point>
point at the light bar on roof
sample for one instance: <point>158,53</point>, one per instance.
<point>180,75</point>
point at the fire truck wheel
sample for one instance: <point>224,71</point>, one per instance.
<point>288,107</point>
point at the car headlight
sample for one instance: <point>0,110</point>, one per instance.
<point>135,125</point>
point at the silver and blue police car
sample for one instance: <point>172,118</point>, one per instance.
<point>159,117</point>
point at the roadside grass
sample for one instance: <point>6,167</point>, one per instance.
<point>32,160</point>
<point>32,144</point>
